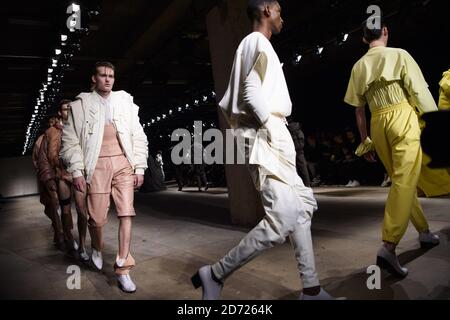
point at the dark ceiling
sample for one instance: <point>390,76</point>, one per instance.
<point>162,56</point>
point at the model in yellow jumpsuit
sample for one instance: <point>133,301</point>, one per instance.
<point>436,182</point>
<point>392,84</point>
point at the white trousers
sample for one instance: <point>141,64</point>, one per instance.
<point>289,210</point>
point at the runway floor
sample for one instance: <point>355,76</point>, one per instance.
<point>174,233</point>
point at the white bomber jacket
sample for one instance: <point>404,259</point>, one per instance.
<point>83,133</point>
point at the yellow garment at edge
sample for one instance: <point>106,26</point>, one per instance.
<point>436,182</point>
<point>444,91</point>
<point>392,84</point>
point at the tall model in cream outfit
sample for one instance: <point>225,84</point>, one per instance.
<point>258,98</point>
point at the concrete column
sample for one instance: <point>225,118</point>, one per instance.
<point>227,25</point>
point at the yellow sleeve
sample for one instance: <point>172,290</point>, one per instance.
<point>353,97</point>
<point>445,84</point>
<point>414,82</point>
<point>444,92</point>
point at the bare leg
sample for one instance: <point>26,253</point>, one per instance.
<point>64,193</point>
<point>124,237</point>
<point>96,238</point>
<point>82,221</point>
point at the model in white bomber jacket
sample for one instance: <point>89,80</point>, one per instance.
<point>83,133</point>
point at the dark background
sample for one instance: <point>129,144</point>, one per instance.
<point>162,56</point>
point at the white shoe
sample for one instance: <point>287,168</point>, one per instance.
<point>349,184</point>
<point>355,184</point>
<point>323,295</point>
<point>428,239</point>
<point>389,261</point>
<point>386,183</point>
<point>211,288</point>
<point>125,283</point>
<point>97,259</point>
<point>84,257</point>
<point>75,245</point>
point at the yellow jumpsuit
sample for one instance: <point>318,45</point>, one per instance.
<point>392,84</point>
<point>436,182</point>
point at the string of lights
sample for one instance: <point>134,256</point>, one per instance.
<point>67,45</point>
<point>190,104</point>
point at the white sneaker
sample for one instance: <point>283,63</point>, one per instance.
<point>356,184</point>
<point>97,259</point>
<point>386,182</point>
<point>389,261</point>
<point>323,295</point>
<point>211,288</point>
<point>84,257</point>
<point>428,239</point>
<point>125,283</point>
<point>349,184</point>
<point>75,245</point>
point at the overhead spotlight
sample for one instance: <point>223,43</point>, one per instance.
<point>196,102</point>
<point>343,37</point>
<point>164,116</point>
<point>93,13</point>
<point>50,70</point>
<point>57,51</point>
<point>319,50</point>
<point>213,94</point>
<point>153,120</point>
<point>49,79</point>
<point>297,58</point>
<point>179,109</point>
<point>205,98</point>
<point>170,111</point>
<point>158,118</point>
<point>63,38</point>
